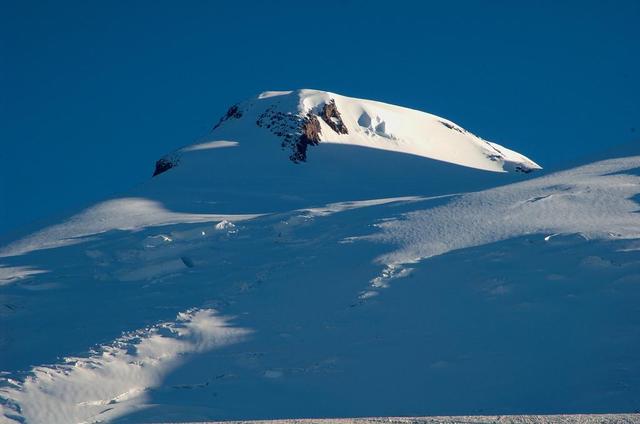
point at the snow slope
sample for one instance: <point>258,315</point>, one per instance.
<point>244,167</point>
<point>362,282</point>
<point>266,137</point>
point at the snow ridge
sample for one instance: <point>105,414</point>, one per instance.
<point>113,379</point>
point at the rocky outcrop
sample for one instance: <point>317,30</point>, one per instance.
<point>233,112</point>
<point>162,165</point>
<point>523,169</point>
<point>453,127</point>
<point>310,137</point>
<point>297,132</point>
<point>165,163</point>
<point>332,117</point>
<point>287,126</point>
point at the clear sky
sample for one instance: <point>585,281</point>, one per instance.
<point>93,92</point>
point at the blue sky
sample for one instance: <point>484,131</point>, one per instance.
<point>94,92</point>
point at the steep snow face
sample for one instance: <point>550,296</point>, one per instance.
<point>304,118</point>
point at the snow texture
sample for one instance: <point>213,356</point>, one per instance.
<point>118,214</point>
<point>382,126</point>
<point>594,200</point>
<point>114,378</point>
<point>380,278</point>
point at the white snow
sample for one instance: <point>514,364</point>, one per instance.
<point>118,214</point>
<point>10,274</point>
<point>225,225</point>
<point>345,206</point>
<point>114,378</point>
<point>394,128</point>
<point>220,144</point>
<point>376,279</point>
<point>382,156</point>
<point>379,125</point>
<point>317,318</point>
<point>268,94</point>
<point>594,200</point>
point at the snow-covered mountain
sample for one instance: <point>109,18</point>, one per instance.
<point>305,118</point>
<point>322,256</point>
<point>290,149</point>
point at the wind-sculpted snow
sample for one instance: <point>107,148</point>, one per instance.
<point>114,378</point>
<point>595,200</point>
<point>345,206</point>
<point>118,214</point>
<point>13,274</point>
<point>519,299</point>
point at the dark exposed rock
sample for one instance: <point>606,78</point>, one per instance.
<point>166,162</point>
<point>162,165</point>
<point>284,125</point>
<point>332,117</point>
<point>452,127</point>
<point>297,132</point>
<point>311,129</point>
<point>310,137</point>
<point>233,112</point>
<point>523,169</point>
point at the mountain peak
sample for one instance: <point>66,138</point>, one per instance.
<point>305,118</point>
